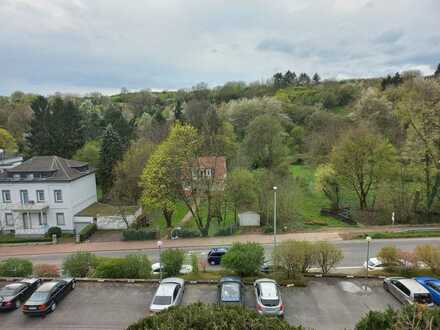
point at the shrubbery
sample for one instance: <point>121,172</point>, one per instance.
<point>80,264</point>
<point>111,268</point>
<point>226,231</point>
<point>137,266</point>
<point>139,235</point>
<point>295,256</point>
<point>429,255</point>
<point>244,258</point>
<point>15,267</point>
<point>87,231</point>
<point>389,255</point>
<point>200,316</point>
<point>172,260</point>
<point>327,255</point>
<point>410,317</point>
<point>195,263</point>
<point>188,233</point>
<point>54,230</point>
<point>46,270</point>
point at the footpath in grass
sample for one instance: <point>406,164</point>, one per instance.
<point>159,220</point>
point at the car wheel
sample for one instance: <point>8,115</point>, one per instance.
<point>53,307</point>
<point>73,285</point>
<point>17,304</point>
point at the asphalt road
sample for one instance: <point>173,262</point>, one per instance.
<point>354,251</point>
<point>328,304</point>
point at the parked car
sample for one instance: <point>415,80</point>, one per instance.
<point>432,285</point>
<point>45,299</point>
<point>374,264</point>
<point>268,297</point>
<point>407,291</point>
<point>185,269</point>
<point>14,294</point>
<point>169,293</point>
<point>230,290</point>
<point>267,266</point>
<point>215,255</point>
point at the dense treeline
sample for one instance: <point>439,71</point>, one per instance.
<point>374,143</point>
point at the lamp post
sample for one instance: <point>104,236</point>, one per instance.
<point>159,245</point>
<point>274,216</point>
<point>368,238</point>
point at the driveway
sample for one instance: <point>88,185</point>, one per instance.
<point>323,304</point>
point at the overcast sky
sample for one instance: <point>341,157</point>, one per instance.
<point>102,45</point>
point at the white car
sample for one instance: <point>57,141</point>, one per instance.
<point>377,264</point>
<point>169,293</point>
<point>268,297</point>
<point>185,269</point>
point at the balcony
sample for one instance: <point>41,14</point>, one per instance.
<point>28,207</point>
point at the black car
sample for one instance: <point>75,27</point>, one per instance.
<point>215,255</point>
<point>230,290</point>
<point>46,297</point>
<point>14,294</point>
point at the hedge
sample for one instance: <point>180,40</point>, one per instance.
<point>13,267</point>
<point>9,239</point>
<point>132,266</point>
<point>188,233</point>
<point>54,230</point>
<point>140,235</point>
<point>226,231</point>
<point>87,231</point>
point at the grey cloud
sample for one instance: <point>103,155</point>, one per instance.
<point>389,37</point>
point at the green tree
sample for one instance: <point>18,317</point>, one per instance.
<point>39,138</point>
<point>111,152</point>
<point>172,261</point>
<point>244,258</point>
<point>178,110</point>
<point>327,255</point>
<point>265,143</point>
<point>294,257</point>
<point>7,141</point>
<point>316,78</point>
<point>89,153</point>
<point>327,182</point>
<point>362,161</point>
<point>114,116</point>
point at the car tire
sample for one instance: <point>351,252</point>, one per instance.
<point>53,307</point>
<point>73,285</point>
<point>17,304</point>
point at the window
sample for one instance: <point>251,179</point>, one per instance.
<point>6,195</point>
<point>40,195</point>
<point>26,221</point>
<point>60,219</point>
<point>9,219</point>
<point>42,220</point>
<point>58,196</point>
<point>24,196</point>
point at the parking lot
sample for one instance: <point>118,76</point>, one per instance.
<point>323,304</point>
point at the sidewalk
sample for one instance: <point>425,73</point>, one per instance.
<point>32,249</point>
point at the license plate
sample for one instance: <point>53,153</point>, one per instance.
<point>32,308</point>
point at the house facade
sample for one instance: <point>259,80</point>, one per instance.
<point>43,192</point>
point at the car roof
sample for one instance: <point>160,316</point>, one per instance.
<point>425,279</point>
<point>166,288</point>
<point>48,286</point>
<point>29,280</point>
<point>268,290</point>
<point>175,280</point>
<point>220,249</point>
<point>230,279</point>
<point>413,285</point>
<point>15,285</point>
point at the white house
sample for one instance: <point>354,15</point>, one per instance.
<point>45,191</point>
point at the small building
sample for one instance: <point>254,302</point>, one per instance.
<point>9,161</point>
<point>45,191</point>
<point>249,219</point>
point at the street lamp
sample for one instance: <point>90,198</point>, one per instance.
<point>159,245</point>
<point>368,238</point>
<point>275,216</point>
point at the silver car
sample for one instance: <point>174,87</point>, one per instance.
<point>268,297</point>
<point>408,291</point>
<point>169,293</point>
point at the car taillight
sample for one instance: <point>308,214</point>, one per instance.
<point>259,307</point>
<point>41,307</point>
<point>7,303</point>
<point>282,307</point>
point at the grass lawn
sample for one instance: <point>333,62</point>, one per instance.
<point>159,220</point>
<point>309,202</point>
<point>400,234</point>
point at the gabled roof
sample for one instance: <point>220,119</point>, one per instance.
<point>56,169</point>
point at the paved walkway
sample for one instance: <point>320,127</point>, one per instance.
<point>330,235</point>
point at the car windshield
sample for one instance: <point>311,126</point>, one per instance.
<point>270,302</point>
<point>372,263</point>
<point>435,286</point>
<point>162,300</point>
<point>39,296</point>
<point>8,292</point>
<point>230,292</point>
<point>422,298</point>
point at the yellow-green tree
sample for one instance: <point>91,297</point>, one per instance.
<point>7,141</point>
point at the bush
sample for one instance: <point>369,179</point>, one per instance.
<point>111,268</point>
<point>327,255</point>
<point>188,233</point>
<point>15,267</point>
<point>133,266</point>
<point>45,270</point>
<point>54,230</point>
<point>429,255</point>
<point>410,317</point>
<point>87,231</point>
<point>389,255</point>
<point>226,231</point>
<point>200,316</point>
<point>294,256</point>
<point>139,235</point>
<point>172,260</point>
<point>137,266</point>
<point>80,264</point>
<point>244,258</point>
<point>195,264</point>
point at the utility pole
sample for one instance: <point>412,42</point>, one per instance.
<point>274,216</point>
